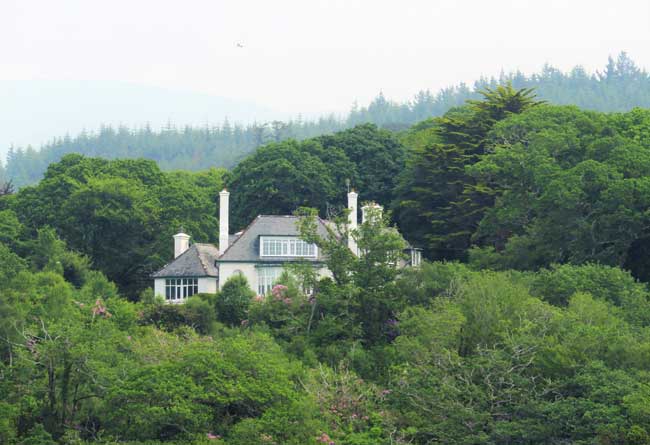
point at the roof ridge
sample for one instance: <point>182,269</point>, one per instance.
<point>240,236</point>
<point>182,255</point>
<point>205,267</point>
<point>278,216</point>
<point>184,252</point>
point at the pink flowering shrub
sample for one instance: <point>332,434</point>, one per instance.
<point>279,293</point>
<point>212,436</point>
<point>99,309</point>
<point>324,438</point>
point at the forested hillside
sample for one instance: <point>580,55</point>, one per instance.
<point>440,354</point>
<point>530,324</point>
<point>620,86</point>
<point>188,148</point>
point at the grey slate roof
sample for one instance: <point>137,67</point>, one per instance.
<point>247,247</point>
<point>197,261</point>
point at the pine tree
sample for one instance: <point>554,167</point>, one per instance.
<point>439,203</point>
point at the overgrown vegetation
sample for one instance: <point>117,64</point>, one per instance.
<point>530,324</point>
<point>439,354</point>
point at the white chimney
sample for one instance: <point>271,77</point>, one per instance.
<point>366,211</point>
<point>352,221</point>
<point>223,220</point>
<point>181,243</point>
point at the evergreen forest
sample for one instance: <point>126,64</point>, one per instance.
<point>619,86</point>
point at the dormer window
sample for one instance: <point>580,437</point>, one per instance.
<point>285,246</point>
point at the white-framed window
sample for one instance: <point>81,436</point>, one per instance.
<point>177,289</point>
<point>287,246</point>
<point>266,279</point>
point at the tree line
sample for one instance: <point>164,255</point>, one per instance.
<point>506,182</point>
<point>620,86</point>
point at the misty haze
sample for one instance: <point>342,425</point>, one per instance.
<point>326,222</point>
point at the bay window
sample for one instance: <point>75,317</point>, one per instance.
<point>178,289</point>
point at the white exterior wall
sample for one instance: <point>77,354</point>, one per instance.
<point>324,272</point>
<point>227,270</point>
<point>249,270</point>
<point>207,285</point>
<point>159,287</point>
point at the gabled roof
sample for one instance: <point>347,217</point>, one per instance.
<point>247,246</point>
<point>197,261</point>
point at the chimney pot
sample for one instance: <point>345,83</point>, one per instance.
<point>181,243</point>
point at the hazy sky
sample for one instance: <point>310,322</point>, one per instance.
<point>308,55</point>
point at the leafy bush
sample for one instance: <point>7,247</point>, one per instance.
<point>233,300</point>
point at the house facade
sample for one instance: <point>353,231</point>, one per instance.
<point>260,252</point>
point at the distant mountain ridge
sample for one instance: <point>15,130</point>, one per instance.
<point>620,86</point>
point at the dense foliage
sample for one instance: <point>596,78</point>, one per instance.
<point>120,213</point>
<point>620,86</point>
<point>280,177</point>
<point>439,203</point>
<point>538,331</point>
<point>376,355</point>
<point>552,184</point>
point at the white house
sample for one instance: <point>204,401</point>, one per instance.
<point>259,253</point>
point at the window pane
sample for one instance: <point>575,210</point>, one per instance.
<point>287,246</point>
